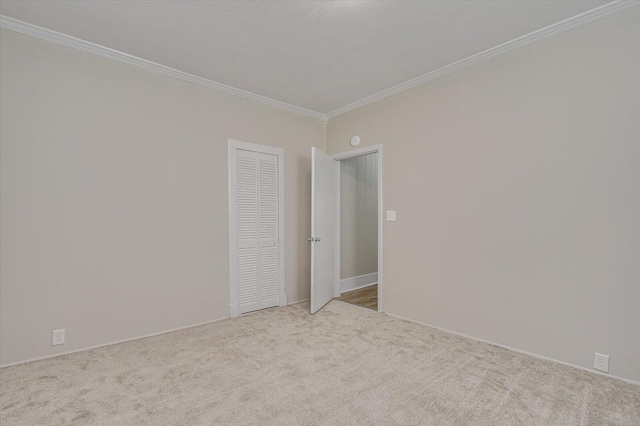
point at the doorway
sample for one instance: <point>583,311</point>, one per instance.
<point>362,284</point>
<point>358,227</point>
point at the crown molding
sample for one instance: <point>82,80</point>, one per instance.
<point>86,46</point>
<point>559,27</point>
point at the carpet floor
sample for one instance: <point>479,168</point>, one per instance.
<point>343,366</point>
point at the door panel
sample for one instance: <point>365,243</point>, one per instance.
<point>268,225</point>
<point>247,220</point>
<point>323,228</point>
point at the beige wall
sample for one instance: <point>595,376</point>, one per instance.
<point>359,215</point>
<point>517,187</point>
<point>114,200</point>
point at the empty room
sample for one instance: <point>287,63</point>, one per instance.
<point>320,212</point>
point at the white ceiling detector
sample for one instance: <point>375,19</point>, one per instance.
<point>355,140</point>
<point>320,57</point>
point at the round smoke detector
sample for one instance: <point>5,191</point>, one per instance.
<point>355,140</point>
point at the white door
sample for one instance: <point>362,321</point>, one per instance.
<point>323,228</point>
<point>256,263</point>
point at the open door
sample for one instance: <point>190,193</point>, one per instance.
<point>323,228</point>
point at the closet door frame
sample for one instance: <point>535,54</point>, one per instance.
<point>234,146</point>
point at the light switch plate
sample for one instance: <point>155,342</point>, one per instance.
<point>391,215</point>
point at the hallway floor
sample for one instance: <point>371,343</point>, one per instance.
<point>366,297</point>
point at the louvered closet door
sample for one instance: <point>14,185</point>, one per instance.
<point>257,221</point>
<point>268,230</point>
<point>247,223</point>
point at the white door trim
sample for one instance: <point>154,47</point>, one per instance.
<point>235,145</point>
<point>343,156</point>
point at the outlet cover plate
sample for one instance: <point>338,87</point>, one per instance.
<point>601,362</point>
<point>57,337</point>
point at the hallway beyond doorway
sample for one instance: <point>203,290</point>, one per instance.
<point>366,297</point>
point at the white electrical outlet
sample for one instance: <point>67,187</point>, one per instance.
<point>58,337</point>
<point>601,362</point>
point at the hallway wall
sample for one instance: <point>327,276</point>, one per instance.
<point>359,215</point>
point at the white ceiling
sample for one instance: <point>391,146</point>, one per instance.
<point>316,55</point>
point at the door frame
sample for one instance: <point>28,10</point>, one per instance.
<point>234,146</point>
<point>343,156</point>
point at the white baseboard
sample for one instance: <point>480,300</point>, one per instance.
<point>283,300</point>
<point>299,301</point>
<point>633,382</point>
<point>117,342</point>
<point>361,281</point>
<point>233,311</point>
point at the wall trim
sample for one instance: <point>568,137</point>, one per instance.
<point>86,46</point>
<point>510,348</point>
<point>361,281</point>
<point>298,301</point>
<point>551,30</point>
<point>233,311</point>
<point>117,342</point>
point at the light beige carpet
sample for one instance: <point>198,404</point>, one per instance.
<point>345,365</point>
